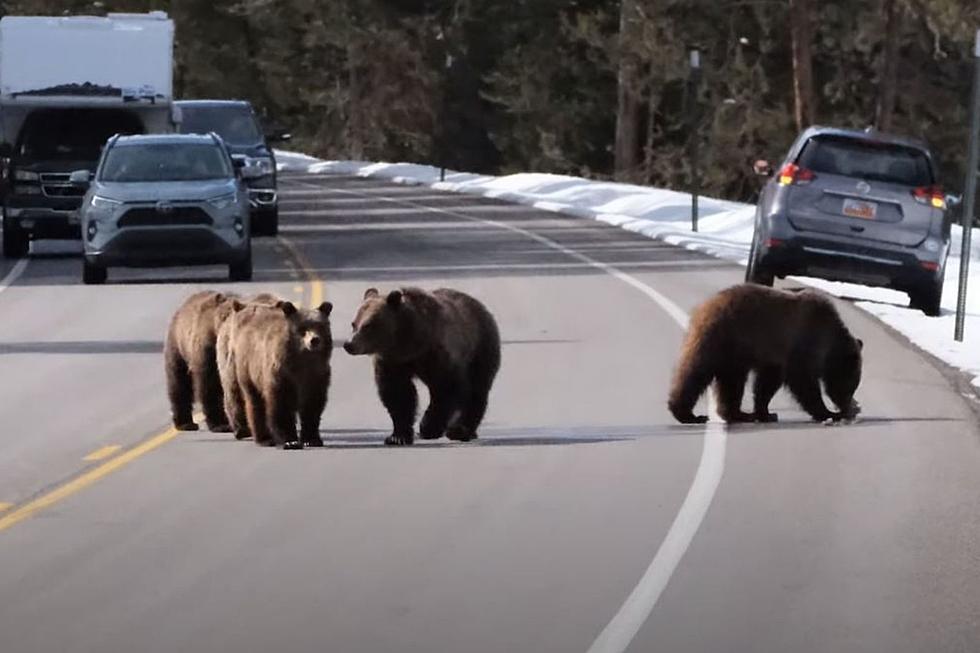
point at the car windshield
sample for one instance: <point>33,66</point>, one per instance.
<point>73,134</point>
<point>235,124</point>
<point>165,162</point>
<point>850,157</point>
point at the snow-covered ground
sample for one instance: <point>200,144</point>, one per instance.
<point>724,230</point>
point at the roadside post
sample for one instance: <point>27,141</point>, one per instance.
<point>694,80</point>
<point>969,192</point>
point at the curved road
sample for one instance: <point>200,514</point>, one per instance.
<point>541,536</point>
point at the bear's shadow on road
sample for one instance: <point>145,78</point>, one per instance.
<point>805,424</point>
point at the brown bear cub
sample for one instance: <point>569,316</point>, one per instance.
<point>792,338</point>
<point>276,360</point>
<point>448,340</point>
<point>233,401</point>
<point>189,358</point>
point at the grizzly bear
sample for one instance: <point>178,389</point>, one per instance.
<point>189,360</point>
<point>233,401</point>
<point>785,337</point>
<point>445,338</point>
<point>277,363</point>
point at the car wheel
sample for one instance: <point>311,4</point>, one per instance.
<point>755,272</point>
<point>928,298</point>
<point>242,270</point>
<point>266,223</point>
<point>93,274</point>
<point>15,242</point>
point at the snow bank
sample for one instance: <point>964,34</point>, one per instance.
<point>724,230</point>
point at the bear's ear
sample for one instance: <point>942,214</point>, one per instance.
<point>220,298</point>
<point>325,308</point>
<point>236,305</point>
<point>860,344</point>
<point>395,298</point>
<point>370,293</point>
<point>288,308</point>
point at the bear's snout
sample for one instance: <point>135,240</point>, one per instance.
<point>349,347</point>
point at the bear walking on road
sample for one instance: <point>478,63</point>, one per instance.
<point>792,338</point>
<point>448,340</point>
<point>279,357</point>
<point>189,358</point>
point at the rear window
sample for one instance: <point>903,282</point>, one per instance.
<point>165,162</point>
<point>235,124</point>
<point>73,134</point>
<point>890,163</point>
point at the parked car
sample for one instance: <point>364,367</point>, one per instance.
<point>64,90</point>
<point>238,125</point>
<point>857,206</point>
<point>164,200</point>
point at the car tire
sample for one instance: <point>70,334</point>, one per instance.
<point>242,270</point>
<point>94,274</point>
<point>928,298</point>
<point>266,223</point>
<point>15,242</point>
<point>755,272</point>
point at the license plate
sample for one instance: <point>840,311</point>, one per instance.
<point>859,209</point>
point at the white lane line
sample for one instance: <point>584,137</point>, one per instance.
<point>634,612</point>
<point>14,274</point>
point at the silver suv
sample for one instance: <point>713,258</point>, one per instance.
<point>165,200</point>
<point>857,206</point>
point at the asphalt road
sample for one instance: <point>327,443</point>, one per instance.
<point>856,538</point>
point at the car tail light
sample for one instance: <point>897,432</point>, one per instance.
<point>930,195</point>
<point>794,174</point>
<point>929,265</point>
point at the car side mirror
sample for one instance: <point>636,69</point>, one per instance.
<point>953,200</point>
<point>762,168</point>
<point>238,161</point>
<point>80,178</point>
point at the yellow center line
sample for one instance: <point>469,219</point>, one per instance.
<point>5,506</point>
<point>104,452</point>
<point>88,478</point>
<point>316,286</point>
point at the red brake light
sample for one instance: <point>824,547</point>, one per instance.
<point>792,173</point>
<point>930,195</point>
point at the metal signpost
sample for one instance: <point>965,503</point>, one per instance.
<point>969,192</point>
<point>695,64</point>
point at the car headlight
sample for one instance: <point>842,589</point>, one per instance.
<point>223,201</point>
<point>104,203</point>
<point>260,166</point>
<point>26,175</point>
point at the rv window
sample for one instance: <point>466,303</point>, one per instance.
<point>73,134</point>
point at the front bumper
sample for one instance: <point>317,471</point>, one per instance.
<point>167,247</point>
<point>43,222</point>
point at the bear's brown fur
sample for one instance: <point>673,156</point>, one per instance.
<point>791,338</point>
<point>277,362</point>
<point>448,340</point>
<point>233,401</point>
<point>189,359</point>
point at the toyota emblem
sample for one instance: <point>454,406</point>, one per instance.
<point>864,187</point>
<point>164,207</point>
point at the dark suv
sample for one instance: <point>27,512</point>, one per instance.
<point>856,206</point>
<point>238,125</point>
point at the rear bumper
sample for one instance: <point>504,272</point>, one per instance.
<point>167,247</point>
<point>835,261</point>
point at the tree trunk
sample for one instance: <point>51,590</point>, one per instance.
<point>888,79</point>
<point>628,110</point>
<point>799,17</point>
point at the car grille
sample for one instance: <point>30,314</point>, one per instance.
<point>56,184</point>
<point>152,217</point>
